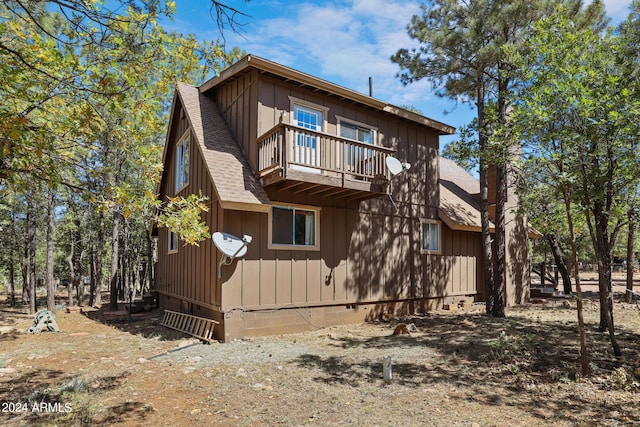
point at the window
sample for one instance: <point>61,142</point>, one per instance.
<point>307,147</point>
<point>357,155</point>
<point>357,132</point>
<point>430,236</point>
<point>294,227</point>
<point>307,118</point>
<point>182,163</point>
<point>173,242</point>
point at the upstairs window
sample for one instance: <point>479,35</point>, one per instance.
<point>294,228</point>
<point>357,156</point>
<point>182,163</point>
<point>357,132</point>
<point>430,236</point>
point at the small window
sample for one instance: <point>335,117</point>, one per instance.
<point>294,228</point>
<point>430,236</point>
<point>173,242</point>
<point>357,155</point>
<point>356,132</point>
<point>182,163</point>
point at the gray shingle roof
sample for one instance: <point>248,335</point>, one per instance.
<point>458,205</point>
<point>233,179</point>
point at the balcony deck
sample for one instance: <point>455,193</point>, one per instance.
<point>319,164</point>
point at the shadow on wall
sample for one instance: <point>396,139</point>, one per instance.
<point>384,264</point>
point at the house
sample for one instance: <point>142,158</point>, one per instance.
<point>300,165</point>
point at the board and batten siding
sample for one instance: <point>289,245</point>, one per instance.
<point>190,273</point>
<point>368,252</point>
<point>237,101</point>
<point>363,257</point>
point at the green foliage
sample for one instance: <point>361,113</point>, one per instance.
<point>182,216</point>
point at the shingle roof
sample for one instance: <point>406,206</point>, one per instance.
<point>233,179</point>
<point>458,189</point>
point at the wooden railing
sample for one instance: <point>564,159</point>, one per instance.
<point>287,145</point>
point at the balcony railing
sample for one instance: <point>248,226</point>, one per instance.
<point>289,146</point>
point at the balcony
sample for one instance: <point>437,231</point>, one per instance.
<point>315,163</point>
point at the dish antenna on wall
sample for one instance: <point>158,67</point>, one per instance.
<point>395,167</point>
<point>231,247</point>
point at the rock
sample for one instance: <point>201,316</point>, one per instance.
<point>4,371</point>
<point>196,411</point>
<point>142,360</point>
<point>7,330</point>
<point>241,372</point>
<point>411,327</point>
<point>401,329</point>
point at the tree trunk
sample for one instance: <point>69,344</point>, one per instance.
<point>113,280</point>
<point>100,248</point>
<point>24,267</point>
<point>559,260</point>
<point>603,246</point>
<point>33,300</point>
<point>12,262</point>
<point>630,256</point>
<point>487,251</point>
<point>72,274</point>
<point>500,240</point>
<point>12,281</point>
<point>51,286</point>
<point>584,354</point>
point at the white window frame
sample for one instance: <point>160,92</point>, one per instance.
<point>374,130</point>
<point>354,154</point>
<point>182,162</point>
<point>297,102</point>
<point>296,247</point>
<point>430,224</point>
<point>172,242</point>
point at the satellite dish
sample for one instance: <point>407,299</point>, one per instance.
<point>230,246</point>
<point>395,166</point>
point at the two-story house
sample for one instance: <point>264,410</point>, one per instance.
<point>300,165</point>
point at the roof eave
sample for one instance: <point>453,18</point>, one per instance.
<point>340,91</point>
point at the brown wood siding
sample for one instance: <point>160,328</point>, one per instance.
<point>369,251</point>
<point>363,257</point>
<point>189,273</point>
<point>237,100</point>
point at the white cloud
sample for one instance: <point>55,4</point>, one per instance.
<point>343,42</point>
<point>617,10</point>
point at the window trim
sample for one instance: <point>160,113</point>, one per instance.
<point>434,222</point>
<point>294,247</point>
<point>374,129</point>
<point>185,138</point>
<point>172,242</point>
<point>293,101</point>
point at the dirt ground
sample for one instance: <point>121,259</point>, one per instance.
<point>458,368</point>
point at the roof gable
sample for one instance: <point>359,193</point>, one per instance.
<point>291,75</point>
<point>233,179</point>
<point>458,205</point>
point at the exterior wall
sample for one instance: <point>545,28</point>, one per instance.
<point>238,104</point>
<point>190,272</point>
<point>369,261</point>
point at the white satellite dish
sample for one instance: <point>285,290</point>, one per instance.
<point>230,246</point>
<point>395,166</point>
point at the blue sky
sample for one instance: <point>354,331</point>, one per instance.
<point>342,41</point>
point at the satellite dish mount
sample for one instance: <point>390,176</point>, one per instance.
<point>395,167</point>
<point>231,247</point>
